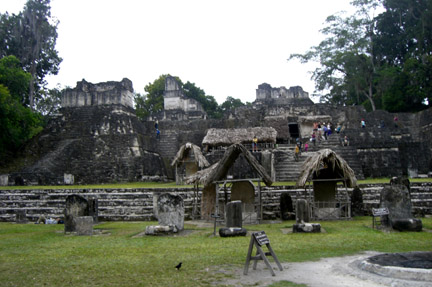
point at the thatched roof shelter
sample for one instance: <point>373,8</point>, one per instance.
<point>184,153</point>
<point>226,137</point>
<point>328,160</point>
<point>219,170</point>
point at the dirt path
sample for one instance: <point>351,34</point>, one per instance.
<point>328,272</point>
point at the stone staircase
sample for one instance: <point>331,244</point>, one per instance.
<point>287,169</point>
<point>168,144</point>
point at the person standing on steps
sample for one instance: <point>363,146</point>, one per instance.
<point>363,123</point>
<point>157,134</point>
<point>255,144</point>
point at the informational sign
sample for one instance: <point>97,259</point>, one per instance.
<point>380,211</point>
<point>259,239</point>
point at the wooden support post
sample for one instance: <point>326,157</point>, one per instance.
<point>258,239</point>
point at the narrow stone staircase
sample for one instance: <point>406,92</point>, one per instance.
<point>286,167</point>
<point>168,143</point>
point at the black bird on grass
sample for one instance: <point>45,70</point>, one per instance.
<point>178,266</point>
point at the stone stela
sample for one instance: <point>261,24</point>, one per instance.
<point>259,239</point>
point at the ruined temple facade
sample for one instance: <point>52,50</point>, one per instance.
<point>107,93</point>
<point>97,137</point>
<point>266,94</point>
<point>177,106</point>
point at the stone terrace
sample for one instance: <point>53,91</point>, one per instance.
<point>138,204</point>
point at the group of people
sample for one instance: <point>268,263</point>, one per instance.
<point>321,131</point>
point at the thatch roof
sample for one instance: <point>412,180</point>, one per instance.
<point>184,152</point>
<point>226,137</point>
<point>219,170</point>
<point>326,158</point>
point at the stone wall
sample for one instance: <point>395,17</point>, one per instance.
<point>107,93</point>
<point>139,204</point>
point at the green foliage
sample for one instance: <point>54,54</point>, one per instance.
<point>42,255</point>
<point>17,122</point>
<point>152,102</point>
<point>380,62</point>
<point>231,103</point>
<point>31,37</point>
<point>13,77</point>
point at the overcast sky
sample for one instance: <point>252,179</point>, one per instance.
<point>226,47</point>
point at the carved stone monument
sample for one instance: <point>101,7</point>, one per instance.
<point>286,207</point>
<point>170,214</point>
<point>234,220</point>
<point>78,206</point>
<point>397,199</point>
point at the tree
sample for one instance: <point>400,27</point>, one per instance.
<point>17,122</point>
<point>231,103</point>
<point>381,61</point>
<point>31,37</point>
<point>153,101</point>
<point>347,60</point>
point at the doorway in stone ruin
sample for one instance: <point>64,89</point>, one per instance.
<point>294,131</point>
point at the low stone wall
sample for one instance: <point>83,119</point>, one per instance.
<point>139,204</point>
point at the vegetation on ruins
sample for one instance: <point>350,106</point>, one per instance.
<point>152,101</point>
<point>380,61</point>
<point>42,255</point>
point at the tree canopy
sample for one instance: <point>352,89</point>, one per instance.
<point>380,61</point>
<point>152,101</point>
<point>31,37</point>
<point>17,122</point>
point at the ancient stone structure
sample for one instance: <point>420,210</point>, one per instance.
<point>171,211</point>
<point>97,138</point>
<point>108,93</point>
<point>398,201</point>
<point>139,204</point>
<point>177,106</point>
<point>267,94</point>
<point>76,214</point>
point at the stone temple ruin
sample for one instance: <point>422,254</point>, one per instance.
<point>97,138</point>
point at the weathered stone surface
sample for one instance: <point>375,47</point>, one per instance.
<point>407,224</point>
<point>302,211</point>
<point>171,211</point>
<point>357,208</point>
<point>307,227</point>
<point>76,206</point>
<point>232,231</point>
<point>234,215</point>
<point>286,207</point>
<point>159,230</point>
<point>397,199</point>
<point>20,216</point>
<point>84,225</point>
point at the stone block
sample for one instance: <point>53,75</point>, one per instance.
<point>4,179</point>
<point>171,211</point>
<point>232,232</point>
<point>21,216</point>
<point>84,225</point>
<point>234,215</point>
<point>160,230</point>
<point>307,228</point>
<point>407,224</point>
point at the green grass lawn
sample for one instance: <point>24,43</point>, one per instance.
<point>42,255</point>
<point>173,184</point>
